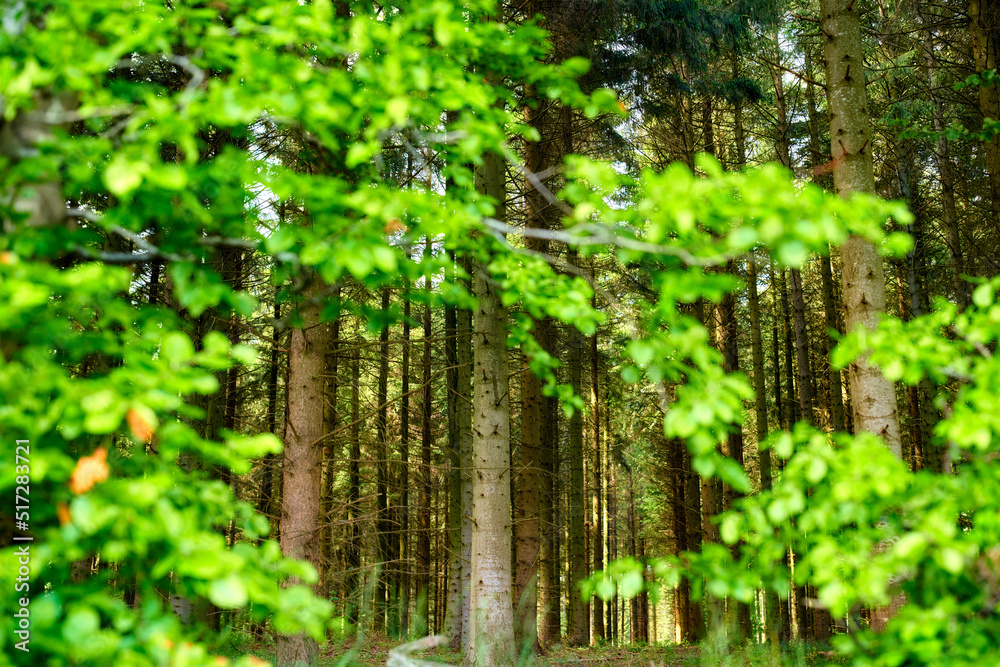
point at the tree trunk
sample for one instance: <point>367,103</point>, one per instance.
<point>597,515</point>
<point>354,492</point>
<point>453,615</point>
<point>551,599</point>
<point>404,477</point>
<point>464,381</point>
<point>949,216</point>
<point>331,419</point>
<point>491,639</point>
<point>791,406</point>
<point>771,627</point>
<point>802,348</point>
<point>874,398</point>
<point>303,461</point>
<point>578,625</point>
<point>424,499</point>
<point>984,29</point>
<point>382,521</point>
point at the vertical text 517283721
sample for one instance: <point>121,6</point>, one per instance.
<point>22,519</point>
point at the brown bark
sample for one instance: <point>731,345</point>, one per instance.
<point>383,525</point>
<point>984,29</point>
<point>300,507</point>
<point>597,509</point>
<point>353,559</point>
<point>453,614</point>
<point>578,626</point>
<point>403,548</point>
<point>423,578</point>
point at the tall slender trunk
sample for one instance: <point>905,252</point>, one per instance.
<point>578,626</point>
<point>383,525</point>
<point>611,502</point>
<point>404,476</point>
<point>331,419</point>
<point>424,499</point>
<point>597,509</point>
<point>267,491</point>
<point>303,461</point>
<point>834,384</point>
<point>739,620</point>
<point>802,347</point>
<point>984,29</point>
<point>551,599</point>
<point>791,406</point>
<point>464,382</point>
<point>776,349</point>
<point>453,615</point>
<point>354,492</point>
<point>760,412</point>
<point>949,216</point>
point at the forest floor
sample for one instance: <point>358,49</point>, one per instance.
<point>373,652</point>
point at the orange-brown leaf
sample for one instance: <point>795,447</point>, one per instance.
<point>62,511</point>
<point>89,471</point>
<point>141,429</point>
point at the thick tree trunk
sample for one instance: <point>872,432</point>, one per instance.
<point>874,398</point>
<point>303,461</point>
<point>491,638</point>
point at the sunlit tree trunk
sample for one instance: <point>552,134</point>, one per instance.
<point>874,398</point>
<point>491,639</point>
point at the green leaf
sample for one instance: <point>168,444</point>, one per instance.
<point>631,584</point>
<point>122,176</point>
<point>605,588</point>
<point>228,593</point>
